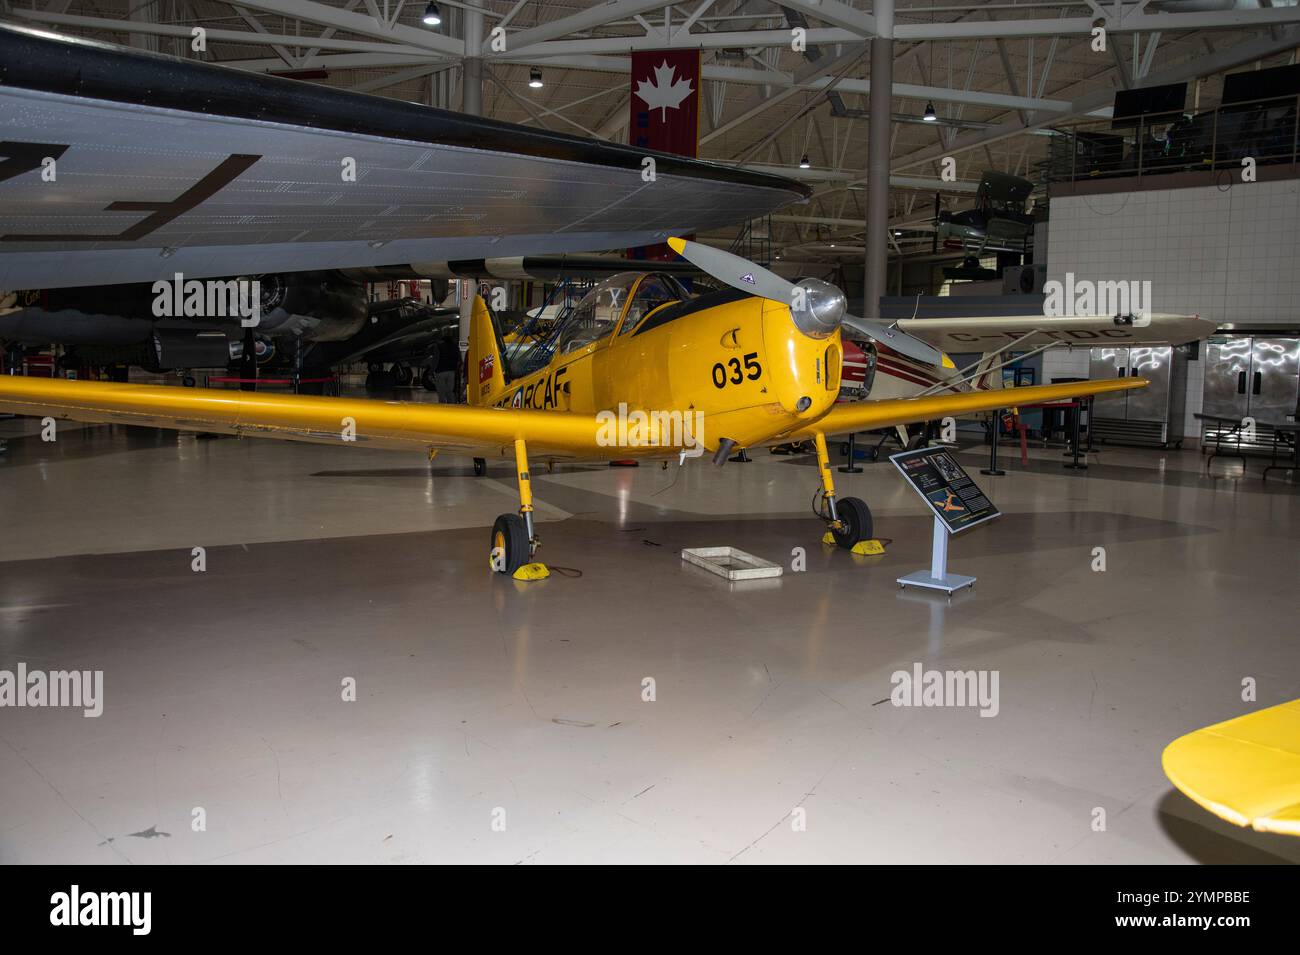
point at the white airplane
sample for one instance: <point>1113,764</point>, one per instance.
<point>878,372</point>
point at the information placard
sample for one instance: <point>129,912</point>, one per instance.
<point>946,487</point>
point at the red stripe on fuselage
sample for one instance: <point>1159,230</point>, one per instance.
<point>898,369</point>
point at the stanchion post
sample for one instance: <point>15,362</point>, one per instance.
<point>851,465</point>
<point>1074,464</point>
<point>994,432</point>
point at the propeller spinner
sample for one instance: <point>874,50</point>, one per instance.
<point>817,307</point>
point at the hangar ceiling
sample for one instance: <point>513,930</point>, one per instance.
<point>1000,75</point>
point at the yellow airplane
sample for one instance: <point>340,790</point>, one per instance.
<point>644,372</point>
<point>1245,770</point>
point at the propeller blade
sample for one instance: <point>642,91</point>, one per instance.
<point>899,341</point>
<point>739,273</point>
<point>742,274</point>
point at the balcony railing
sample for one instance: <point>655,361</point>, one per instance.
<point>1156,144</point>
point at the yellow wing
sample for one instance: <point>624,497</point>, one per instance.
<point>358,421</point>
<point>866,415</point>
<point>397,424</point>
<point>1245,770</point>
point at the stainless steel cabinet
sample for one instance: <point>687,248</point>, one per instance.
<point>1249,376</point>
<point>1148,416</point>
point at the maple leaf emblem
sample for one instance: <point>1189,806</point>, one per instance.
<point>664,91</point>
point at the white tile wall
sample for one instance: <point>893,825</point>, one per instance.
<point>1230,253</point>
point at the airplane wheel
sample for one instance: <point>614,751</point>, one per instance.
<point>401,376</point>
<point>426,379</point>
<point>510,542</point>
<point>480,467</point>
<point>856,518</point>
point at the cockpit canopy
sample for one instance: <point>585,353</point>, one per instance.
<point>627,295</point>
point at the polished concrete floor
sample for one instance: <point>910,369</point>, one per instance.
<point>503,722</point>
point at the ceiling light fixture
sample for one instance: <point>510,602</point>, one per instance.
<point>804,163</point>
<point>930,115</point>
<point>535,77</point>
<point>432,17</point>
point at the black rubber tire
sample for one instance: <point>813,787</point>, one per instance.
<point>856,518</point>
<point>401,375</point>
<point>510,533</point>
<point>374,367</point>
<point>426,379</point>
<point>480,467</point>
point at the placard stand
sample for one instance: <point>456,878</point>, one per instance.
<point>937,577</point>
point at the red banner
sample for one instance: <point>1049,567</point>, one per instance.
<point>665,101</point>
<point>665,104</point>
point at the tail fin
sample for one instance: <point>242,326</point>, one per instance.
<point>486,363</point>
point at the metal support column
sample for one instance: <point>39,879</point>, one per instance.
<point>472,82</point>
<point>882,83</point>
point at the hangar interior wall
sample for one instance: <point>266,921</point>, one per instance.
<point>1227,252</point>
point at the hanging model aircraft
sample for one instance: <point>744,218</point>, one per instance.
<point>633,371</point>
<point>998,223</point>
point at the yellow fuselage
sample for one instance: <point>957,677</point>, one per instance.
<point>743,365</point>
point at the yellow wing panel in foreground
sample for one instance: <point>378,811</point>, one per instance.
<point>358,421</point>
<point>866,415</point>
<point>1245,770</point>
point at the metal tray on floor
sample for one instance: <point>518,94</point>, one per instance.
<point>730,562</point>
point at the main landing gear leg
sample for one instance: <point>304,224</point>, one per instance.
<point>848,520</point>
<point>514,540</point>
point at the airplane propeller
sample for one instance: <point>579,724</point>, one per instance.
<point>823,305</point>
